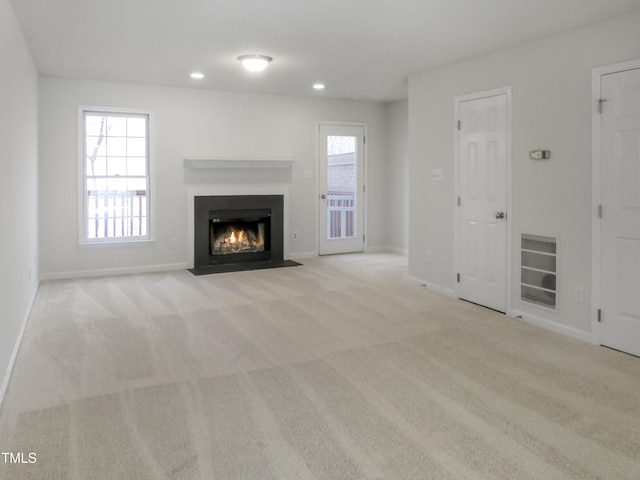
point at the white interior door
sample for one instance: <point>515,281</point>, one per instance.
<point>482,229</point>
<point>620,224</point>
<point>341,189</point>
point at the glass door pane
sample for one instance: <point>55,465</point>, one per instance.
<point>342,185</point>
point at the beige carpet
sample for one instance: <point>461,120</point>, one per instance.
<point>338,369</point>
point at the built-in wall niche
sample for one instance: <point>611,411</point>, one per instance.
<point>538,270</point>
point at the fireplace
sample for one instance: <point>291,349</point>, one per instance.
<point>238,232</point>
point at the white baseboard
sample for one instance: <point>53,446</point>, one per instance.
<point>103,272</point>
<point>16,348</point>
<point>551,325</point>
<point>387,249</point>
<point>436,288</point>
<point>298,256</point>
<point>382,249</point>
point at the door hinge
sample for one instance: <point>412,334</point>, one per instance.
<point>601,104</point>
<point>364,237</point>
<point>599,315</point>
<point>458,201</point>
<point>364,189</point>
<point>459,125</point>
<point>364,139</point>
<point>599,211</point>
<point>458,277</point>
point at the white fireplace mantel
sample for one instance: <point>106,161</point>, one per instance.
<point>228,162</point>
<point>230,175</point>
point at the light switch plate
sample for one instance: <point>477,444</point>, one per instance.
<point>540,154</point>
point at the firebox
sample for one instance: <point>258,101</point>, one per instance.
<point>245,233</point>
<point>238,232</point>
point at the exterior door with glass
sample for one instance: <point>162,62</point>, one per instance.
<point>341,189</point>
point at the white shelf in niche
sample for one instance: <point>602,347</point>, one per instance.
<point>227,162</point>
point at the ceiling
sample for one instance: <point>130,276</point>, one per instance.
<point>361,49</point>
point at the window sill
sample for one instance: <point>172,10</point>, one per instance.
<point>117,243</point>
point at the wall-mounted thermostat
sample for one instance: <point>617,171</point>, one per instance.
<point>540,154</point>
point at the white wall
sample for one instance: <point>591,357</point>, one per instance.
<point>18,185</point>
<point>191,122</point>
<point>551,80</point>
<point>397,182</point>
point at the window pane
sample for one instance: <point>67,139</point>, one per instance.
<point>341,187</point>
<point>137,127</point>
<point>116,146</point>
<point>339,145</point>
<point>137,166</point>
<point>117,126</point>
<point>95,125</point>
<point>96,185</point>
<point>137,184</point>
<point>91,228</point>
<point>136,147</point>
<point>116,185</point>
<point>96,146</point>
<point>117,166</point>
<point>97,167</point>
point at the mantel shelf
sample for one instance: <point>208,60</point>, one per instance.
<point>227,162</point>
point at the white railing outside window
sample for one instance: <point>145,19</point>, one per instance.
<point>116,214</point>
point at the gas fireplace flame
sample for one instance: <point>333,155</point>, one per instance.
<point>233,239</point>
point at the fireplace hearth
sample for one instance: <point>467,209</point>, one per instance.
<point>238,232</point>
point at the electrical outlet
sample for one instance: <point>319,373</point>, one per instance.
<point>579,295</point>
<point>172,243</point>
<point>428,257</point>
<point>294,236</point>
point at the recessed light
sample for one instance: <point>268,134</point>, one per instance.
<point>197,75</point>
<point>319,86</point>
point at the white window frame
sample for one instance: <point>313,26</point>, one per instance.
<point>82,179</point>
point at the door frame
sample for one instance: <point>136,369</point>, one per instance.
<point>365,171</point>
<point>457,100</point>
<point>596,188</point>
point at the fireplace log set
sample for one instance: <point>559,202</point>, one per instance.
<point>237,239</point>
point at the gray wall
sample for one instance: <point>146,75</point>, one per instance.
<point>18,185</point>
<point>551,81</point>
<point>193,122</point>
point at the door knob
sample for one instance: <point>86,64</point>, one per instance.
<point>323,196</point>
<point>499,215</point>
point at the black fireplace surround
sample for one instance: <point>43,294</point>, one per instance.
<point>238,232</point>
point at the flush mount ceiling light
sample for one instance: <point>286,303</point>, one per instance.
<point>197,75</point>
<point>255,63</point>
<point>318,86</point>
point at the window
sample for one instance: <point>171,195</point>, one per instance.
<point>116,179</point>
